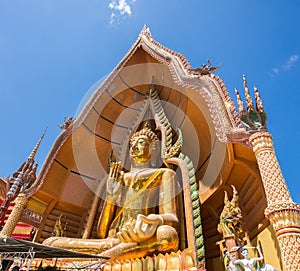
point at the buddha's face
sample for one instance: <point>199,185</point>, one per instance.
<point>140,149</point>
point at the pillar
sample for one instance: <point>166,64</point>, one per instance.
<point>283,213</point>
<point>14,216</point>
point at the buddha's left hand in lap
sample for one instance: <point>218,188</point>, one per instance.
<point>144,228</point>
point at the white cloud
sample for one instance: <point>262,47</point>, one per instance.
<point>120,8</point>
<point>276,70</point>
<point>290,62</point>
<point>112,18</point>
<point>286,66</point>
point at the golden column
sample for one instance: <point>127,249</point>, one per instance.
<point>14,216</point>
<point>283,213</point>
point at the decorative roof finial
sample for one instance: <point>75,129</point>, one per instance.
<point>67,123</point>
<point>205,69</point>
<point>253,118</point>
<point>258,101</point>
<point>33,153</point>
<point>249,102</point>
<point>240,103</point>
<point>145,31</point>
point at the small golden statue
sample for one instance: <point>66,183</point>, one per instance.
<point>58,230</point>
<point>231,218</point>
<point>139,215</point>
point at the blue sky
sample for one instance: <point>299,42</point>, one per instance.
<point>53,51</point>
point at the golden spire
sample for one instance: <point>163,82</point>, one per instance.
<point>259,104</point>
<point>22,179</point>
<point>249,102</point>
<point>35,149</point>
<point>253,118</point>
<point>241,106</point>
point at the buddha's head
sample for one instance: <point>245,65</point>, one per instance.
<point>141,145</point>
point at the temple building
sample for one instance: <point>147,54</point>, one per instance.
<point>210,164</point>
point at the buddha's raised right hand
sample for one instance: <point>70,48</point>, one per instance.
<point>115,178</point>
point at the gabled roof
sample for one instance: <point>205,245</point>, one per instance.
<point>215,94</point>
<point>223,115</point>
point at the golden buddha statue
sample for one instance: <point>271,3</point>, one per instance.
<point>139,214</point>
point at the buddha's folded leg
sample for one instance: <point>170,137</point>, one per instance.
<point>122,250</point>
<point>95,246</point>
<point>165,240</point>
